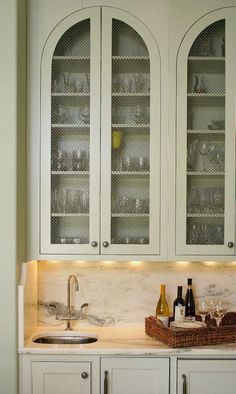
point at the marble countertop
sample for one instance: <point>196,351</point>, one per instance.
<point>122,341</point>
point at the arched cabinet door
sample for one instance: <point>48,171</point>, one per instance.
<point>130,136</point>
<point>70,136</point>
<point>100,107</point>
<point>205,175</point>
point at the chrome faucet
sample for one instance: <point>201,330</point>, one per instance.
<point>69,312</point>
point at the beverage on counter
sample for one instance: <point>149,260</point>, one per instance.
<point>162,309</point>
<point>179,306</point>
<point>189,301</point>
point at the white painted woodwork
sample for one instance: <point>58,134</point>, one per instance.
<point>135,375</point>
<point>207,376</point>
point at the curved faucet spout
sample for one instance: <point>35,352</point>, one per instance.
<point>69,313</point>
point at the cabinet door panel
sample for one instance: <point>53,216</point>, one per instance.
<point>60,378</point>
<point>205,138</point>
<point>207,376</point>
<point>70,136</point>
<point>137,375</point>
<point>130,137</point>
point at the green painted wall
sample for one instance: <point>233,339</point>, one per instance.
<point>12,181</point>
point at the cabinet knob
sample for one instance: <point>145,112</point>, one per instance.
<point>84,375</point>
<point>94,244</point>
<point>105,244</point>
<point>230,244</point>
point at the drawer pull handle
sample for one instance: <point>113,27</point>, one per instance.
<point>184,384</point>
<point>105,382</point>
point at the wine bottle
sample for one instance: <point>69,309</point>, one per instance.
<point>179,306</point>
<point>189,302</point>
<point>162,309</point>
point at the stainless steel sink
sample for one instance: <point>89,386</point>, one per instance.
<point>65,338</point>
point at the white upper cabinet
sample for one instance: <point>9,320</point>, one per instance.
<point>100,136</point>
<point>205,172</point>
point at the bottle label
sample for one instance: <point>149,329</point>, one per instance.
<point>179,313</point>
<point>164,320</point>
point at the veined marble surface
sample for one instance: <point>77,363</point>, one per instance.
<point>122,294</point>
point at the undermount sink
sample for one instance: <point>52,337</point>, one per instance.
<point>65,338</point>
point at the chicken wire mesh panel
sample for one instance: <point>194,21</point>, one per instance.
<point>70,136</point>
<point>205,161</point>
<point>130,230</point>
<point>203,231</point>
<point>130,154</point>
<point>126,41</point>
<point>75,41</point>
<point>210,42</point>
<point>70,230</point>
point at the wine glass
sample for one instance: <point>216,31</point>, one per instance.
<point>203,148</point>
<point>219,311</point>
<point>202,308</point>
<point>210,306</point>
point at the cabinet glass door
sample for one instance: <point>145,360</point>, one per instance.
<point>206,154</point>
<point>130,141</point>
<point>70,137</point>
<point>74,208</point>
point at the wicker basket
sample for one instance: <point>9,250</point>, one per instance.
<point>178,337</point>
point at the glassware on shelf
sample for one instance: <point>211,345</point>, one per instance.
<point>203,149</point>
<point>84,114</point>
<point>139,114</point>
<point>139,164</point>
<point>192,154</point>
<point>205,234</point>
<point>116,139</point>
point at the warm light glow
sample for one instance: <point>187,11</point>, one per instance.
<point>183,262</point>
<point>136,262</point>
<point>210,263</point>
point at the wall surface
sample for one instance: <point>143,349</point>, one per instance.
<point>124,293</point>
<point>11,174</point>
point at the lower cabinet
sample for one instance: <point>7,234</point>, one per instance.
<point>72,374</point>
<point>59,375</point>
<point>124,375</point>
<point>206,376</point>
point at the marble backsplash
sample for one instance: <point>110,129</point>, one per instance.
<point>124,293</point>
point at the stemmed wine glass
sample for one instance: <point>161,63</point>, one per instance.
<point>219,311</point>
<point>203,148</point>
<point>203,310</point>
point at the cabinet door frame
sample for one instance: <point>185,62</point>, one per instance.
<point>188,367</point>
<point>113,364</point>
<point>46,247</point>
<point>153,248</point>
<point>181,102</point>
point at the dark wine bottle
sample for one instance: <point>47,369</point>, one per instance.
<point>189,301</point>
<point>179,306</point>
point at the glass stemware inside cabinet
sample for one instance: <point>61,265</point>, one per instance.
<point>130,151</point>
<point>70,136</point>
<point>205,164</point>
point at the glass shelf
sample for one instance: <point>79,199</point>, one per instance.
<point>71,57</point>
<point>206,131</point>
<point>70,173</point>
<point>130,215</point>
<point>130,58</point>
<point>68,215</point>
<point>68,94</point>
<point>207,58</point>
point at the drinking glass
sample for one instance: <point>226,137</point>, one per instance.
<point>210,306</point>
<point>203,148</point>
<point>202,308</point>
<point>219,311</point>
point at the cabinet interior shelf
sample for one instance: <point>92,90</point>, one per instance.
<point>69,125</point>
<point>130,57</point>
<point>130,215</point>
<point>130,172</point>
<point>210,95</point>
<point>70,172</point>
<point>205,215</point>
<point>205,131</point>
<point>193,173</point>
<point>66,215</point>
<point>65,94</point>
<point>206,58</point>
<point>145,94</point>
<point>71,57</point>
<point>126,125</point>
